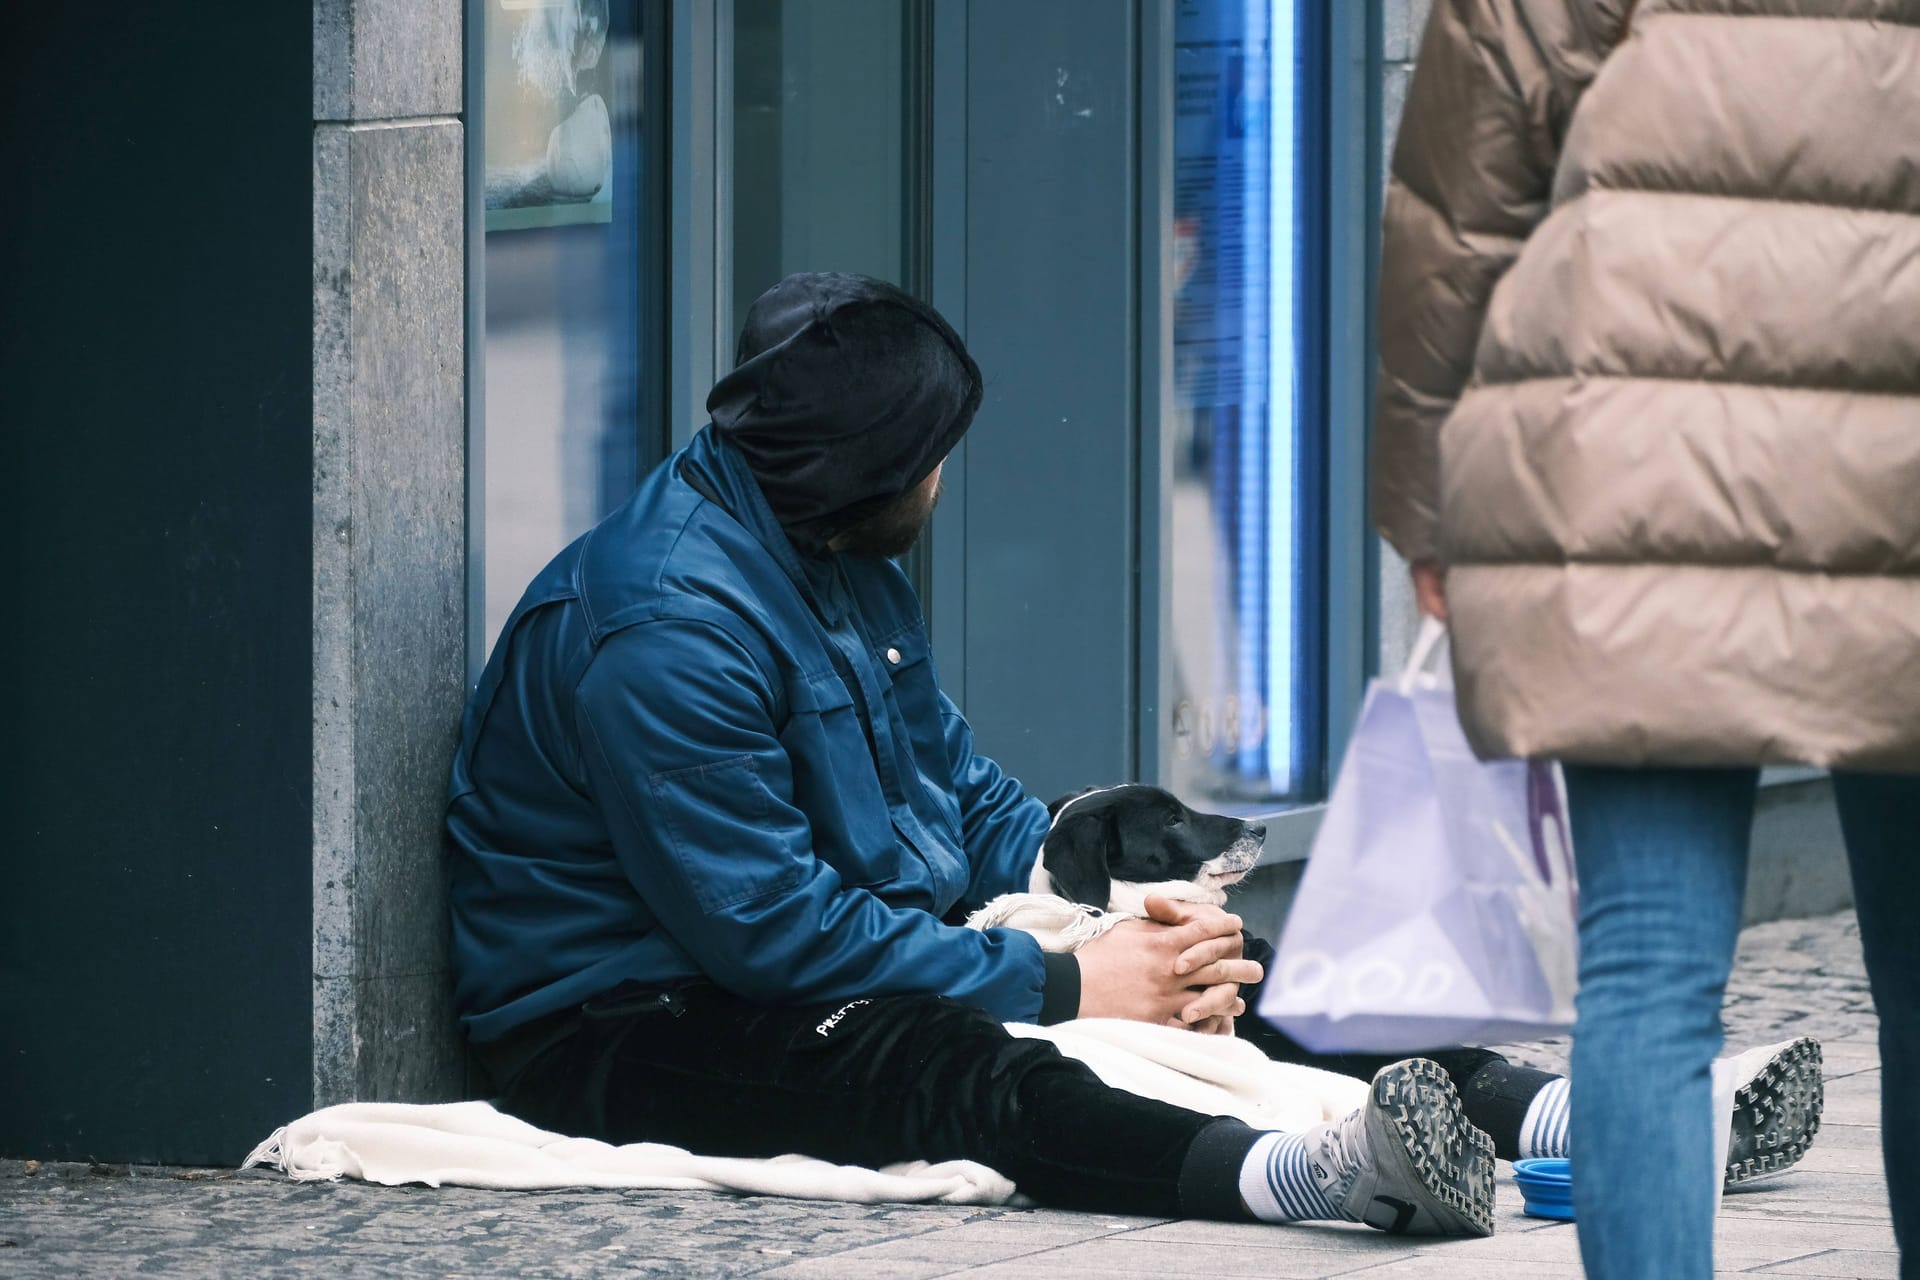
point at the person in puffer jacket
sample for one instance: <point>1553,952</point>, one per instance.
<point>1648,434</point>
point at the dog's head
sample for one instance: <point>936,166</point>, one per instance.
<point>1137,834</point>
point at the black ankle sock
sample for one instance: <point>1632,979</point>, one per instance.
<point>1496,1097</point>
<point>1210,1172</point>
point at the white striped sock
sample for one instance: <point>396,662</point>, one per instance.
<point>1276,1182</point>
<point>1544,1131</point>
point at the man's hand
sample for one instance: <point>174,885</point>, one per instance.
<point>1180,967</point>
<point>1222,945</point>
<point>1430,588</point>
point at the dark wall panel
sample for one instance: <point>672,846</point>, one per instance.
<point>155,424</point>
<point>1050,318</point>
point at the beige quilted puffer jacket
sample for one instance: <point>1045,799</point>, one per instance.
<point>1650,374</point>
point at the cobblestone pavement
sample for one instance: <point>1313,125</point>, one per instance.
<point>1827,1217</point>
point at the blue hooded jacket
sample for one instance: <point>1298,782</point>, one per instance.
<point>696,754</point>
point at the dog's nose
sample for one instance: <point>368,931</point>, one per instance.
<point>1258,830</point>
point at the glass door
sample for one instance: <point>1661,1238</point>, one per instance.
<point>832,135</point>
<point>830,142</point>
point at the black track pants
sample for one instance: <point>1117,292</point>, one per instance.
<point>867,1082</point>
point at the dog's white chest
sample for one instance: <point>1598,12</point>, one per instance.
<point>1131,897</point>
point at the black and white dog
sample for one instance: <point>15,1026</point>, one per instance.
<point>1108,849</point>
<point>1112,846</point>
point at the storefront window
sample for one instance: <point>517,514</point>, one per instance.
<point>568,408</point>
<point>1247,720</point>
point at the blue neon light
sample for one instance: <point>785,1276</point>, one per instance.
<point>1281,559</point>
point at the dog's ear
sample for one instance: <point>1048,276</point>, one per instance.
<point>1060,802</point>
<point>1075,855</point>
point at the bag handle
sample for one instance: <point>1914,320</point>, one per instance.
<point>1425,645</point>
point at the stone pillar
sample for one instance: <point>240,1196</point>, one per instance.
<point>389,538</point>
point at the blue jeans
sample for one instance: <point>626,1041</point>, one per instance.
<point>1662,857</point>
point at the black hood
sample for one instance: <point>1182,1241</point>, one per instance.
<point>846,393</point>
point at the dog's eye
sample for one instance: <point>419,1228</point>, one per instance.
<point>1173,820</point>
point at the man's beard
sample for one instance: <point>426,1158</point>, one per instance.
<point>892,530</point>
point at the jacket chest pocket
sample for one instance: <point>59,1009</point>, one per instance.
<point>836,784</point>
<point>914,692</point>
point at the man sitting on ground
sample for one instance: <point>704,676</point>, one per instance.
<point>716,828</point>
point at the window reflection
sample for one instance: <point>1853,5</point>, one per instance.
<point>572,274</point>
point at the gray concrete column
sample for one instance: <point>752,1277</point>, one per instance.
<point>389,536</point>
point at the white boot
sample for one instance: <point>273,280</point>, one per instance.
<point>1777,1099</point>
<point>1408,1162</point>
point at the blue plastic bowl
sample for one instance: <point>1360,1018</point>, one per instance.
<point>1547,1186</point>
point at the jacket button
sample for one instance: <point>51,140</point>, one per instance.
<point>893,656</point>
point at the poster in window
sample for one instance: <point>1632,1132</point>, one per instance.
<point>548,122</point>
<point>1220,232</point>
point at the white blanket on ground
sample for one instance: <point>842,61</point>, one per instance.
<point>470,1144</point>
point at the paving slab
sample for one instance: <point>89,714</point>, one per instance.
<point>1825,1218</point>
<point>1839,1262</point>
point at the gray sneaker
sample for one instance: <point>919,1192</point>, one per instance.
<point>1776,1108</point>
<point>1408,1162</point>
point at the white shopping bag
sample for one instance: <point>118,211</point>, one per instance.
<point>1438,907</point>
